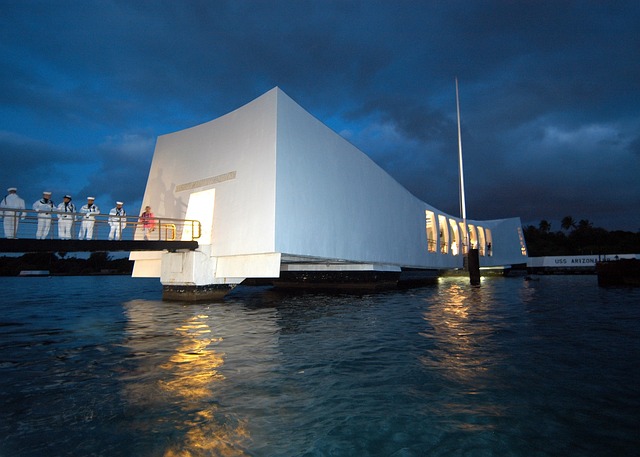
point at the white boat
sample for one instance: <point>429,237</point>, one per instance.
<point>31,273</point>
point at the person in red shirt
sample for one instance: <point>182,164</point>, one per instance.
<point>148,222</point>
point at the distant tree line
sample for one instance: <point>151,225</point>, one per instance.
<point>578,238</point>
<point>60,264</point>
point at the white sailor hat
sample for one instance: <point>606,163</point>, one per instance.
<point>90,198</point>
<point>119,203</point>
<point>68,196</point>
<point>46,192</point>
<point>12,189</point>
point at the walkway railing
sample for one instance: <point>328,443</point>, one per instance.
<point>23,224</point>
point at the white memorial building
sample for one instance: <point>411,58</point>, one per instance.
<point>281,196</point>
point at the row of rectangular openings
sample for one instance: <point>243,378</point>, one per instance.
<point>447,236</point>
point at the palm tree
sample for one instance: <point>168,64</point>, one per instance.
<point>545,226</point>
<point>568,222</point>
<point>585,224</point>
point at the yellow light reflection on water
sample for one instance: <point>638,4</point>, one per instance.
<point>193,374</point>
<point>187,377</point>
<point>461,329</point>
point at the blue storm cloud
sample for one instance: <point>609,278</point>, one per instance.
<point>549,93</point>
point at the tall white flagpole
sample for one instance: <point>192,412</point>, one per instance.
<point>463,209</point>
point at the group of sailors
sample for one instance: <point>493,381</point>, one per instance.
<point>66,214</point>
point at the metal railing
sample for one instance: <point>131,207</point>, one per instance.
<point>28,224</point>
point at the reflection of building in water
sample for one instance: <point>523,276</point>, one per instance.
<point>463,352</point>
<point>185,377</point>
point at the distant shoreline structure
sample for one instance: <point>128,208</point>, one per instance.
<point>34,273</point>
<point>572,264</point>
<point>620,272</point>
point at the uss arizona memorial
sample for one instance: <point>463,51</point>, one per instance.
<point>280,195</point>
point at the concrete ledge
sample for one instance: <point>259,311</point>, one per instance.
<point>338,280</point>
<point>212,292</point>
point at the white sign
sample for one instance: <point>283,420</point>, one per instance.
<point>574,261</point>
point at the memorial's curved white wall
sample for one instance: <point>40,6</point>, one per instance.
<point>284,185</point>
<point>334,201</point>
<point>235,155</point>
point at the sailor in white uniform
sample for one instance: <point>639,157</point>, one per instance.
<point>44,207</point>
<point>66,217</point>
<point>117,221</point>
<point>11,218</point>
<point>89,219</point>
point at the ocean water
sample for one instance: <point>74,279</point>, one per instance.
<point>100,366</point>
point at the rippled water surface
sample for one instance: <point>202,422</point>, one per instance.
<point>100,366</point>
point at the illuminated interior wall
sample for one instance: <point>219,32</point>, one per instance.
<point>481,240</point>
<point>473,237</point>
<point>200,208</point>
<point>444,234</point>
<point>523,244</point>
<point>430,227</point>
<point>455,237</point>
<point>464,238</point>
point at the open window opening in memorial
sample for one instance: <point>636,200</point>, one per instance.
<point>200,207</point>
<point>431,231</point>
<point>444,234</point>
<point>489,243</point>
<point>455,237</point>
<point>482,246</point>
<point>464,242</point>
<point>473,236</point>
<point>523,246</point>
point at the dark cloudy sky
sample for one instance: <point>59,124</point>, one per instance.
<point>549,93</point>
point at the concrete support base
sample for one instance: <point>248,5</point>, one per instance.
<point>212,292</point>
<point>474,267</point>
<point>352,280</point>
<point>417,277</point>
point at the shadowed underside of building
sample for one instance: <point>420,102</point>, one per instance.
<point>283,198</point>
